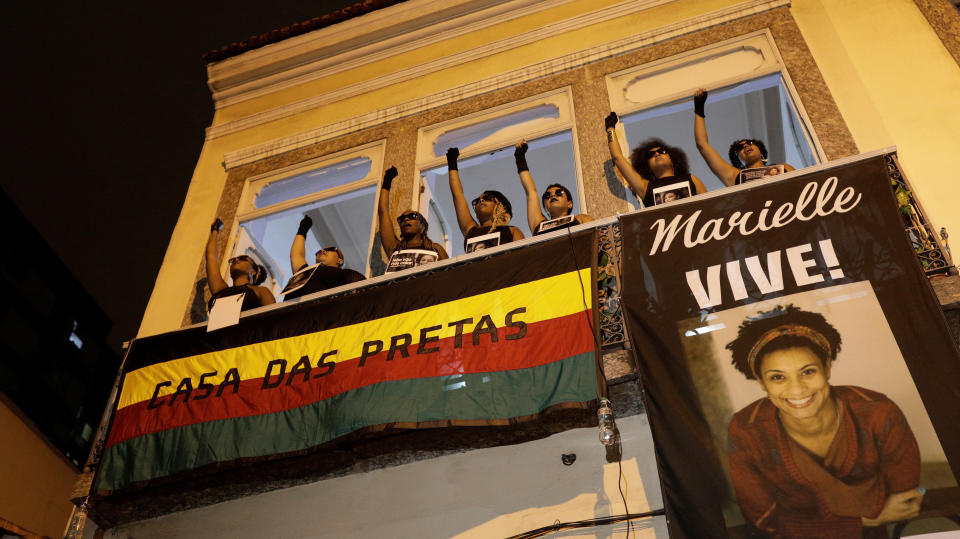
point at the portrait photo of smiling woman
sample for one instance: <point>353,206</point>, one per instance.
<point>812,459</point>
<point>814,416</point>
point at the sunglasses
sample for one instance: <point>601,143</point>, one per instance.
<point>329,250</point>
<point>656,151</point>
<point>412,216</point>
<point>744,143</point>
<point>238,258</point>
<point>484,198</point>
<point>554,193</point>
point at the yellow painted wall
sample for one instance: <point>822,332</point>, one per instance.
<point>895,84</point>
<point>35,482</point>
<point>891,77</point>
<point>177,273</point>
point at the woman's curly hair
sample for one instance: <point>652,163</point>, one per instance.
<point>638,158</point>
<point>753,328</point>
<point>734,150</point>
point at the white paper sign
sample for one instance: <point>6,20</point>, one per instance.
<point>547,226</point>
<point>410,258</point>
<point>750,174</point>
<point>225,312</point>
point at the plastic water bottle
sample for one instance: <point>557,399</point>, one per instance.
<point>605,419</point>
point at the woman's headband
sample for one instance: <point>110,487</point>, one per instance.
<point>793,330</point>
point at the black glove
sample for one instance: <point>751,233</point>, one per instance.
<point>452,155</point>
<point>699,100</point>
<point>215,227</point>
<point>305,224</point>
<point>611,120</point>
<point>520,154</point>
<point>388,177</point>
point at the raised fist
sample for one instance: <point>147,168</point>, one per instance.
<point>305,224</point>
<point>388,177</point>
<point>611,120</point>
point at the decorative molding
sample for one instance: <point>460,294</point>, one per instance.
<point>504,80</point>
<point>385,33</point>
<point>344,62</point>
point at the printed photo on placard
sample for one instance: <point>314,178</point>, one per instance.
<point>299,279</point>
<point>410,258</point>
<point>669,193</point>
<point>751,174</point>
<point>553,224</point>
<point>487,241</point>
<point>764,371</point>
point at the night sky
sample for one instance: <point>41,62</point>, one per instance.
<point>108,109</point>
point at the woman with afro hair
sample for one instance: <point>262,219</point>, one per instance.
<point>811,459</point>
<point>744,153</point>
<point>652,165</point>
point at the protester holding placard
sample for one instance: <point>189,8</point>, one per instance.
<point>557,200</point>
<point>811,459</point>
<point>413,247</point>
<point>245,273</point>
<point>327,272</point>
<point>493,211</point>
<point>748,157</point>
<point>656,172</point>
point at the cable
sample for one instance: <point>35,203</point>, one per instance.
<point>587,523</point>
<point>596,342</point>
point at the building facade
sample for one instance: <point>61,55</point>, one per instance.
<point>308,124</point>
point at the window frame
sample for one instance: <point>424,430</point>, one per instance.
<point>562,98</point>
<point>760,42</point>
<point>246,211</point>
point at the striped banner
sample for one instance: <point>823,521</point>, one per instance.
<point>486,343</point>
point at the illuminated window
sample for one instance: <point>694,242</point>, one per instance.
<point>338,192</point>
<point>751,97</point>
<point>486,141</point>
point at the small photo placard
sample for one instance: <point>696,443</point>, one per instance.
<point>299,279</point>
<point>487,241</point>
<point>669,193</point>
<point>410,258</point>
<point>751,174</point>
<point>552,224</point>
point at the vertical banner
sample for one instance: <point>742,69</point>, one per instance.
<point>799,376</point>
<point>489,343</point>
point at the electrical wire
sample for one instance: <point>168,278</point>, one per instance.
<point>587,523</point>
<point>597,347</point>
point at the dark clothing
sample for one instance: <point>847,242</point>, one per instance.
<point>648,201</point>
<point>506,236</point>
<point>323,278</point>
<point>250,299</point>
<point>786,491</point>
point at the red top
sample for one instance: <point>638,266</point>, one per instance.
<point>784,490</point>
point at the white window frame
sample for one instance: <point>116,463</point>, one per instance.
<point>717,65</point>
<point>247,211</point>
<point>562,98</point>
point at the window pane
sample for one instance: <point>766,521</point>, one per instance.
<point>467,136</point>
<point>550,159</point>
<point>343,220</point>
<point>760,109</point>
<point>314,181</point>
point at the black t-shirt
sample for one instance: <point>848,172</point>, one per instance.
<point>324,278</point>
<point>250,299</point>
